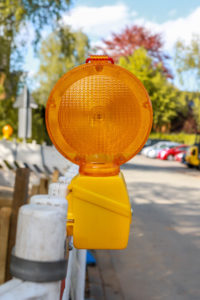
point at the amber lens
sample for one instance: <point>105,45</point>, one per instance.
<point>99,116</point>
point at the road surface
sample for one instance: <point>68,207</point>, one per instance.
<point>162,261</point>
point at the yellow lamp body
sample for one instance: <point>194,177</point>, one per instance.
<point>99,212</point>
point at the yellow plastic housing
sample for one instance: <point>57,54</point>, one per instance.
<point>99,212</point>
<point>99,116</point>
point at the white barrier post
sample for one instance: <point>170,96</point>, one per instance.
<point>81,274</point>
<point>40,237</point>
<point>78,275</point>
<point>75,279</point>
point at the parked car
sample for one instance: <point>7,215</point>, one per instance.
<point>192,157</point>
<point>153,152</point>
<point>151,142</point>
<point>148,148</point>
<point>171,152</point>
<point>179,156</point>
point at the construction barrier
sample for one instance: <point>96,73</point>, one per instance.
<point>39,258</point>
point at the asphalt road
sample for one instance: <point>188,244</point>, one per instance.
<point>162,261</point>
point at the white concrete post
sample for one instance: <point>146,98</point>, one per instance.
<point>41,237</point>
<point>17,289</point>
<point>40,233</point>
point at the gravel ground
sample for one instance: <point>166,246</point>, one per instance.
<point>162,261</point>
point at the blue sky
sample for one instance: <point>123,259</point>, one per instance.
<point>154,10</point>
<point>178,19</point>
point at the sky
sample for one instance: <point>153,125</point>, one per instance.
<point>174,19</point>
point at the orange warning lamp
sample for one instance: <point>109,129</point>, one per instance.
<point>7,131</point>
<point>98,116</point>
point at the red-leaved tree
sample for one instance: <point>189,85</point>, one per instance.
<point>133,37</point>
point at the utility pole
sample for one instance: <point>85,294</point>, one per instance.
<point>25,103</point>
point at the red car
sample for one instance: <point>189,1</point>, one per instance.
<point>170,153</point>
<point>179,156</point>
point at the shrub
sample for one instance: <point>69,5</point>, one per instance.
<point>181,137</point>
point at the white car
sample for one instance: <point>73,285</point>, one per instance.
<point>147,149</point>
<point>154,150</point>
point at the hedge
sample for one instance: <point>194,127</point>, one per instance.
<point>182,137</point>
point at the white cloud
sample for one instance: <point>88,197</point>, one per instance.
<point>180,28</point>
<point>99,22</point>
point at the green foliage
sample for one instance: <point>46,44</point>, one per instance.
<point>15,16</point>
<point>15,13</point>
<point>182,137</point>
<point>8,114</point>
<point>2,90</point>
<point>39,131</point>
<point>59,53</point>
<point>162,94</point>
<point>196,109</point>
<point>187,60</point>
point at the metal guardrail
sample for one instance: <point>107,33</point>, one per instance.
<point>38,158</point>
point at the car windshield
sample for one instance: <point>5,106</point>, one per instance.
<point>183,148</point>
<point>164,146</point>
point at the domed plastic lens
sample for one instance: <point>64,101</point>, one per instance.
<point>99,116</point>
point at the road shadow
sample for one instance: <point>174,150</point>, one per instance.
<point>163,255</point>
<point>153,168</point>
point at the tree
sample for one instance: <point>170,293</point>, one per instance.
<point>57,56</point>
<point>14,16</point>
<point>187,61</point>
<point>161,92</point>
<point>132,38</point>
<point>17,15</point>
<point>59,52</point>
<point>39,131</point>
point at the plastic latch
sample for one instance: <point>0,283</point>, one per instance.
<point>99,58</point>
